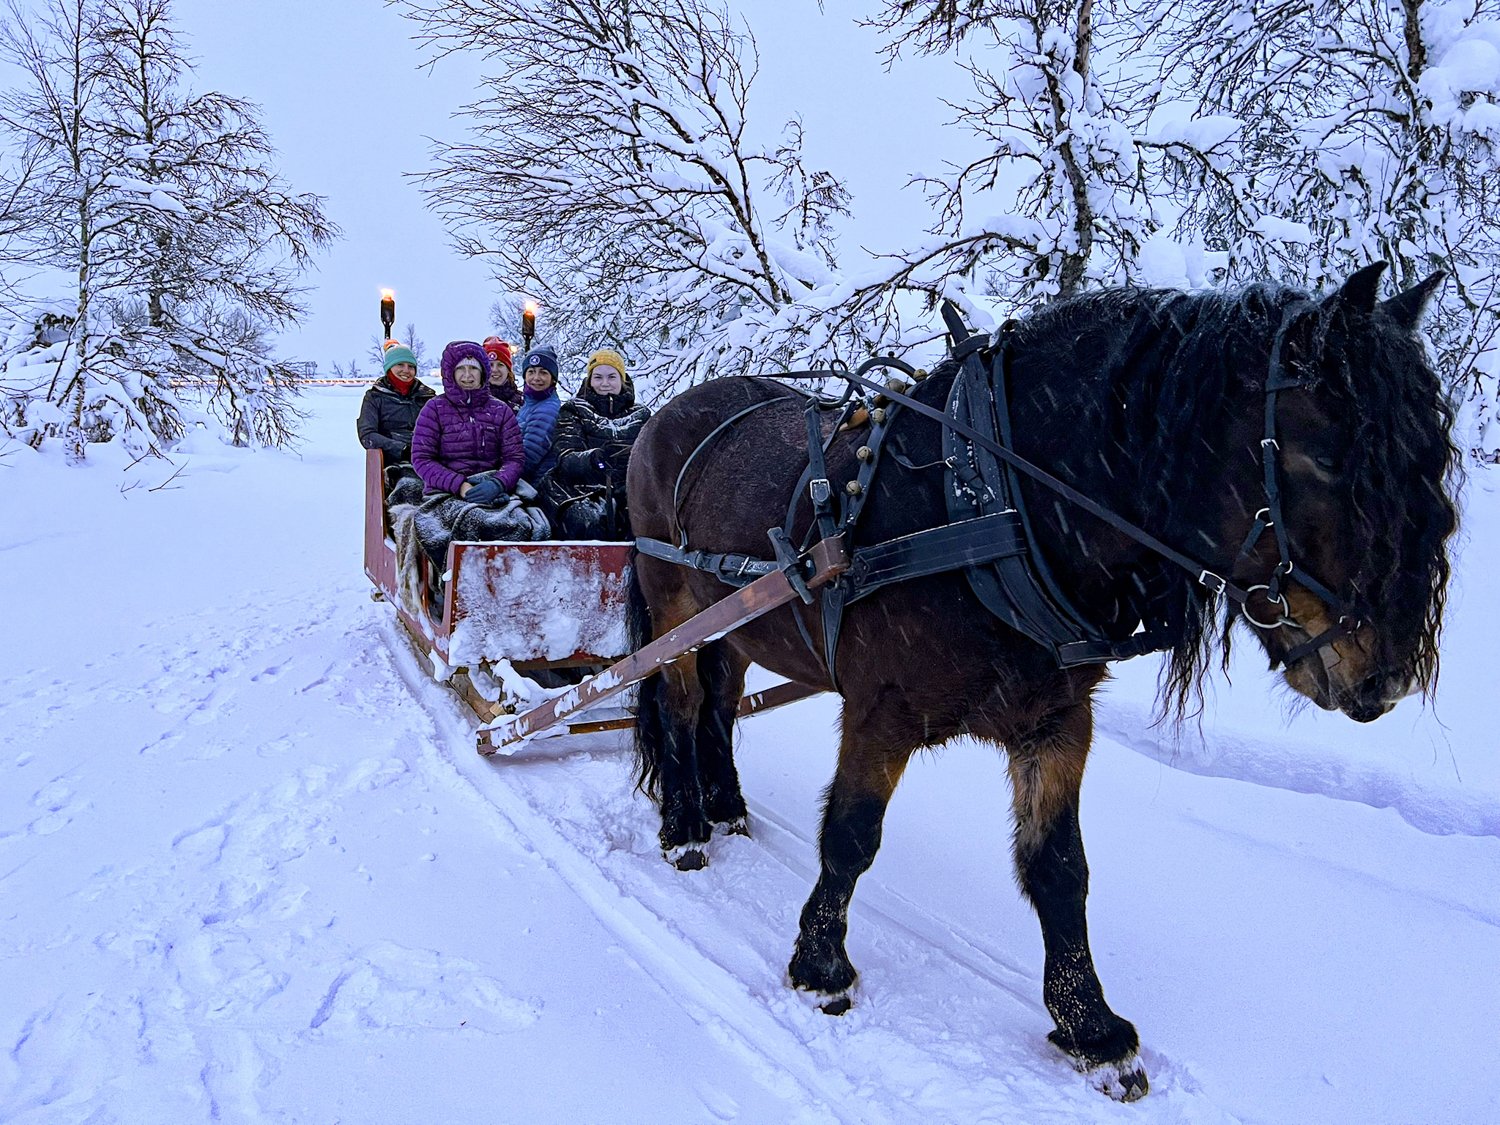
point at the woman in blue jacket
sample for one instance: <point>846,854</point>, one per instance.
<point>538,414</point>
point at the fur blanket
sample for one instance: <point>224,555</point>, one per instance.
<point>427,524</point>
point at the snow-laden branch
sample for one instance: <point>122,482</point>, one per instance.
<point>607,171</point>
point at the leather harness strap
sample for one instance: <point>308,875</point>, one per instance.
<point>1018,588</point>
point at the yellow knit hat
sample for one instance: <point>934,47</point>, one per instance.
<point>609,356</point>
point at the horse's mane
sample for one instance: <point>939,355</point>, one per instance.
<point>1165,368</point>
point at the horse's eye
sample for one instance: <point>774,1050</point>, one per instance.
<point>1327,464</point>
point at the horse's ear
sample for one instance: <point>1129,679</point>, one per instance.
<point>1406,308</point>
<point>1360,291</point>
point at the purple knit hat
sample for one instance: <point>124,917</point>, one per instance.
<point>460,350</point>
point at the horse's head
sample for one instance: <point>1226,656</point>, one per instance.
<point>1362,463</point>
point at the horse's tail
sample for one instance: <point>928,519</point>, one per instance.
<point>648,723</point>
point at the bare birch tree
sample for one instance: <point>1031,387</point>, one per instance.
<point>610,171</point>
<point>1056,200</point>
<point>1368,131</point>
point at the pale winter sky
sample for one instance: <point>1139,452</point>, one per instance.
<point>350,111</point>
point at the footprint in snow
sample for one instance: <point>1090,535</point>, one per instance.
<point>391,987</point>
<point>58,805</point>
<point>374,773</point>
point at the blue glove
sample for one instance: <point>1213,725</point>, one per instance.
<point>484,490</point>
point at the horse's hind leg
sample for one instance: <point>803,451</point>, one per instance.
<point>666,736</point>
<point>1046,770</point>
<point>668,706</point>
<point>853,812</point>
<point>721,673</point>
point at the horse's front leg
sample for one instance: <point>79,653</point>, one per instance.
<point>853,813</point>
<point>1046,770</point>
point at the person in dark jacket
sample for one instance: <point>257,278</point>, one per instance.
<point>502,372</point>
<point>584,494</point>
<point>538,414</point>
<point>389,411</point>
<point>466,431</point>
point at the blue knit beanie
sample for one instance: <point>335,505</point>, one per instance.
<point>543,357</point>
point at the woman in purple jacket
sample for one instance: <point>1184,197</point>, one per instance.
<point>466,431</point>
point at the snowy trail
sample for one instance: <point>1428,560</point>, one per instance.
<point>952,1022</point>
<point>251,869</point>
<point>719,940</point>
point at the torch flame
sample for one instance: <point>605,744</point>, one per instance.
<point>387,294</point>
<point>531,307</point>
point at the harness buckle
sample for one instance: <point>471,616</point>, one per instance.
<point>820,490</point>
<point>1271,442</point>
<point>1213,581</point>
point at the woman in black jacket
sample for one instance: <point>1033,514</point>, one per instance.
<point>584,494</point>
<point>389,411</point>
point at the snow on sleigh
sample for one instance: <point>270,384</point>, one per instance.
<point>508,626</point>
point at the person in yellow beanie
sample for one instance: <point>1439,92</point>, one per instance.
<point>584,493</point>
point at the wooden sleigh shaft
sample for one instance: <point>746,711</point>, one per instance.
<point>827,560</point>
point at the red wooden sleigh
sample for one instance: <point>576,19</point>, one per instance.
<point>516,621</point>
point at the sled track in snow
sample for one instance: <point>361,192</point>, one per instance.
<point>944,1026</point>
<point>1283,763</point>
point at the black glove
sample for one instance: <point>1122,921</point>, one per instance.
<point>598,459</point>
<point>484,490</point>
<point>617,455</point>
<point>404,454</point>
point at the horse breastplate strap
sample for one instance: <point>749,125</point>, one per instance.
<point>1017,586</point>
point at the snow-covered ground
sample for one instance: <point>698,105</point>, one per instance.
<point>251,869</point>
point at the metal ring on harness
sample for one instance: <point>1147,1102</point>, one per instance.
<point>1277,600</point>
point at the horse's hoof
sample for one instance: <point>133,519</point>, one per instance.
<point>826,975</point>
<point>687,857</point>
<point>837,1006</point>
<point>830,1003</point>
<point>1109,1057</point>
<point>1124,1080</point>
<point>739,826</point>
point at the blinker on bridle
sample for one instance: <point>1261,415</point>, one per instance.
<point>1278,379</point>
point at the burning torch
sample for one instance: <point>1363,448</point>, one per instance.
<point>387,310</point>
<point>528,325</point>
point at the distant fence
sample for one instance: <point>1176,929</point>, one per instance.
<point>306,372</point>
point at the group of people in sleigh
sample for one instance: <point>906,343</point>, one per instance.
<point>509,462</point>
<point>489,461</point>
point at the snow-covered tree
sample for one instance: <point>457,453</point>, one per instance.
<point>1055,200</point>
<point>1366,130</point>
<point>612,173</point>
<point>182,244</point>
<point>573,327</point>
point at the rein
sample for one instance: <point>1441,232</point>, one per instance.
<point>959,544</point>
<point>1277,380</point>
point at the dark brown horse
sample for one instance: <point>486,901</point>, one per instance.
<point>1153,404</point>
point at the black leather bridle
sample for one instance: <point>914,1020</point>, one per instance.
<point>1347,620</point>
